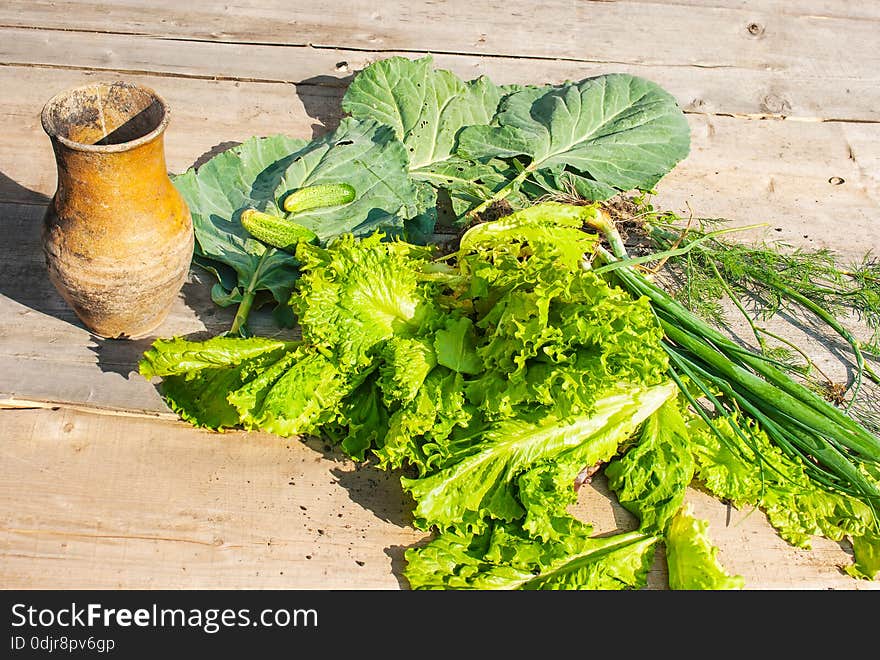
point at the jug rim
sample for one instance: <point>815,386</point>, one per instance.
<point>50,128</point>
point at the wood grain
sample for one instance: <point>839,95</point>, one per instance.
<point>114,503</point>
<point>103,487</point>
<point>806,92</point>
<point>656,33</point>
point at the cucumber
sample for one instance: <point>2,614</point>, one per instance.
<point>275,231</point>
<point>318,196</point>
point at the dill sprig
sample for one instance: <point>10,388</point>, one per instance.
<point>703,268</point>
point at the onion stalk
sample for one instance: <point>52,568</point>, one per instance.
<point>832,446</point>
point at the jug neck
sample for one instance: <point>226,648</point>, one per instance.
<point>122,175</point>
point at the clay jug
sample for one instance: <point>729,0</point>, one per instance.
<point>117,236</point>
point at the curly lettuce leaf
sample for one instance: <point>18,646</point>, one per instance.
<point>546,492</point>
<point>755,472</point>
<point>425,432</point>
<point>691,557</point>
<point>362,421</point>
<point>294,396</point>
<point>456,346</point>
<point>200,397</point>
<point>621,131</point>
<point>405,364</point>
<point>178,356</point>
<point>356,294</point>
<point>548,228</point>
<point>197,376</point>
<point>651,478</point>
<point>866,549</point>
<point>554,334</point>
<point>482,484</point>
<point>505,558</point>
<point>277,386</point>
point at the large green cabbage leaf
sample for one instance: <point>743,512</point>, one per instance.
<point>216,193</point>
<point>609,133</point>
<point>426,108</point>
<point>365,155</point>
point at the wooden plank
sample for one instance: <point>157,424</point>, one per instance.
<point>678,33</point>
<point>811,93</point>
<point>803,179</point>
<point>41,334</point>
<point>93,502</point>
<point>863,146</point>
<point>854,9</point>
<point>771,171</point>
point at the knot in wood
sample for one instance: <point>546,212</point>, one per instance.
<point>755,29</point>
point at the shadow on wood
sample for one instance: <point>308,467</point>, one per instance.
<point>322,101</point>
<point>397,555</point>
<point>12,191</point>
<point>23,276</point>
<point>213,151</point>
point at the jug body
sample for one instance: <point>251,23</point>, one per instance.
<point>117,235</point>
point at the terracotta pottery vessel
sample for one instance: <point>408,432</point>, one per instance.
<point>117,236</point>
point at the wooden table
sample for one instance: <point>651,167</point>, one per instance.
<point>102,487</point>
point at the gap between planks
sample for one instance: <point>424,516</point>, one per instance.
<point>37,404</point>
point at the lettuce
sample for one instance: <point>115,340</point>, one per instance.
<point>795,505</point>
<point>355,295</point>
<point>506,558</point>
<point>651,478</point>
<point>866,549</point>
<point>691,557</point>
<point>494,380</point>
<point>481,485</point>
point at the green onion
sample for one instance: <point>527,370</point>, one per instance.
<point>831,445</point>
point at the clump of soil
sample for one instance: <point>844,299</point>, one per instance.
<point>493,212</point>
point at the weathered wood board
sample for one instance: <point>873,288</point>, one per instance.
<point>103,487</point>
<point>770,90</point>
<point>137,503</point>
<point>775,172</point>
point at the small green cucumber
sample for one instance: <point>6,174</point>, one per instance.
<point>275,231</point>
<point>318,197</point>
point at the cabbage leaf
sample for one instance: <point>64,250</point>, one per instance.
<point>618,131</point>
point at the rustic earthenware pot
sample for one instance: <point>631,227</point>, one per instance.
<point>117,236</point>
